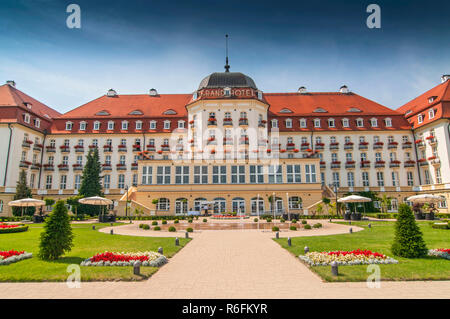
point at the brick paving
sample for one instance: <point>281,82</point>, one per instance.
<point>231,264</point>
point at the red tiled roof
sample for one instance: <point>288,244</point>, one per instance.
<point>10,96</point>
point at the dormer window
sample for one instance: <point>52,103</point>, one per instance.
<point>360,122</point>
<point>69,126</point>
<point>111,93</point>
<point>260,95</point>
<point>170,112</point>
<point>373,122</point>
<point>166,125</point>
<point>124,125</point>
<point>153,125</point>
<point>316,122</point>
<point>227,91</point>
<point>331,123</point>
<point>430,114</point>
<point>286,110</point>
<point>82,126</point>
<point>136,112</point>
<point>419,119</point>
<point>320,110</point>
<point>96,125</point>
<point>37,122</point>
<point>288,123</point>
<point>138,125</point>
<point>303,123</point>
<point>26,118</point>
<point>110,125</point>
<point>388,122</point>
<point>345,123</point>
<point>275,123</point>
<point>103,113</point>
<point>431,99</point>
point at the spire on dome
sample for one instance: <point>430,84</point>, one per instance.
<point>227,67</point>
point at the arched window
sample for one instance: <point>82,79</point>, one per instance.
<point>198,203</point>
<point>163,204</point>
<point>257,206</point>
<point>220,205</point>
<point>238,204</point>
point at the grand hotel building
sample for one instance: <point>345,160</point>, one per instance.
<point>230,144</point>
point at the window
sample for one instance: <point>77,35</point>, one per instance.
<point>122,160</point>
<point>65,160</point>
<point>427,176</point>
<point>108,159</point>
<point>106,181</point>
<point>374,122</point>
<point>288,123</point>
<point>69,126</point>
<point>238,174</point>
<point>293,174</point>
<point>351,179</point>
<point>48,182</point>
<point>393,156</point>
<point>180,124</point>
<point>295,202</point>
<point>138,125</point>
<point>1,206</point>
<point>163,175</point>
<point>135,179</point>
<point>124,125</point>
<point>380,179</point>
<point>52,143</point>
<point>419,119</point>
<point>275,174</point>
<point>51,160</point>
<point>121,182</point>
<point>77,183</point>
<point>365,178</point>
<point>395,179</point>
<point>37,123</point>
<point>388,122</point>
<point>256,174</point>
<point>166,125</point>
<point>79,159</point>
<point>163,204</point>
<point>32,178</point>
<point>377,157</point>
<point>63,181</point>
<point>201,174</point>
<point>96,125</point>
<point>438,176</point>
<point>82,126</point>
<point>359,122</point>
<point>349,157</point>
<point>147,175</point>
<point>347,139</point>
<point>110,125</point>
<point>303,123</point>
<point>274,123</point>
<point>331,123</point>
<point>336,179</point>
<point>310,173</point>
<point>430,114</point>
<point>238,205</point>
<point>316,122</point>
<point>153,125</point>
<point>333,139</point>
<point>219,174</point>
<point>27,118</point>
<point>345,123</point>
<point>181,174</point>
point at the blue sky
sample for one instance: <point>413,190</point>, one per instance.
<point>133,46</point>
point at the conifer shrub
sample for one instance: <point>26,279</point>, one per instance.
<point>189,230</point>
<point>304,222</point>
<point>293,228</point>
<point>294,221</point>
<point>156,228</point>
<point>57,237</point>
<point>164,222</point>
<point>275,228</point>
<point>408,239</point>
<point>176,221</point>
<point>307,226</point>
<point>172,229</point>
<point>146,226</point>
<point>154,223</point>
<point>205,220</point>
<point>255,220</point>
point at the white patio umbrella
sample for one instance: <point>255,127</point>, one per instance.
<point>355,199</point>
<point>425,198</point>
<point>95,200</point>
<point>26,202</point>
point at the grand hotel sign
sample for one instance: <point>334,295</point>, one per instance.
<point>228,93</point>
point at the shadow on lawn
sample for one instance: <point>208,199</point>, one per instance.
<point>68,260</point>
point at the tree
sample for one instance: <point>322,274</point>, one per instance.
<point>22,191</point>
<point>73,201</point>
<point>57,236</point>
<point>155,202</point>
<point>326,202</point>
<point>408,240</point>
<point>90,182</point>
<point>385,203</point>
<point>319,208</point>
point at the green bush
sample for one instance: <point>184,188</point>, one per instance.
<point>317,225</point>
<point>293,228</point>
<point>307,226</point>
<point>154,223</point>
<point>383,216</point>
<point>196,217</point>
<point>156,228</point>
<point>255,220</point>
<point>189,230</point>
<point>408,240</point>
<point>190,221</point>
<point>269,220</point>
<point>146,226</point>
<point>282,220</point>
<point>176,221</point>
<point>205,220</point>
<point>19,229</point>
<point>141,225</point>
<point>172,229</point>
<point>275,228</point>
<point>294,221</point>
<point>164,222</point>
<point>57,236</point>
<point>441,226</point>
<point>304,222</point>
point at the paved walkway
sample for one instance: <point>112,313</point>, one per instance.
<point>230,264</point>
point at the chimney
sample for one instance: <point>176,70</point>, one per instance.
<point>111,93</point>
<point>11,83</point>
<point>445,77</point>
<point>302,90</point>
<point>344,89</point>
<point>153,92</point>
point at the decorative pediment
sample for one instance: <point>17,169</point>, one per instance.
<point>320,110</point>
<point>103,113</point>
<point>170,112</point>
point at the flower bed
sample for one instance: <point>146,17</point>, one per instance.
<point>12,256</point>
<point>228,216</point>
<point>12,228</point>
<point>355,257</point>
<point>440,252</point>
<point>147,258</point>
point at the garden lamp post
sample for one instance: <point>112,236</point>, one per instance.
<point>335,189</point>
<point>257,209</point>
<point>126,206</point>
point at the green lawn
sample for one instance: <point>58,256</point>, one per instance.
<point>87,242</point>
<point>378,238</point>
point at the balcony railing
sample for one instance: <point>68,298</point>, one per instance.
<point>379,164</point>
<point>64,148</point>
<point>392,145</point>
<point>136,148</point>
<point>350,164</point>
<point>107,148</point>
<point>334,146</point>
<point>406,145</point>
<point>290,146</point>
<point>243,122</point>
<point>227,122</point>
<point>348,146</point>
<point>319,146</point>
<point>24,164</point>
<point>262,123</point>
<point>335,165</point>
<point>50,149</point>
<point>363,146</point>
<point>121,167</point>
<point>79,148</point>
<point>77,167</point>
<point>48,167</point>
<point>63,167</point>
<point>422,162</point>
<point>38,147</point>
<point>409,163</point>
<point>122,148</point>
<point>212,122</point>
<point>364,164</point>
<point>227,141</point>
<point>304,146</point>
<point>165,148</point>
<point>26,143</point>
<point>322,164</point>
<point>35,166</point>
<point>151,148</point>
<point>378,145</point>
<point>134,166</point>
<point>394,164</point>
<point>106,167</point>
<point>420,143</point>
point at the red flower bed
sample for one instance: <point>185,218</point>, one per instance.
<point>115,257</point>
<point>7,254</point>
<point>356,252</point>
<point>444,250</point>
<point>5,226</point>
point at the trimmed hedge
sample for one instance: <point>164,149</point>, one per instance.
<point>275,228</point>
<point>307,226</point>
<point>146,226</point>
<point>189,230</point>
<point>14,230</point>
<point>172,229</point>
<point>441,226</point>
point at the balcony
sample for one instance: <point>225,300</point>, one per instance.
<point>35,166</point>
<point>192,124</point>
<point>290,146</point>
<point>262,142</point>
<point>77,167</point>
<point>134,166</point>
<point>420,143</point>
<point>136,148</point>
<point>434,160</point>
<point>364,164</point>
<point>335,164</point>
<point>151,147</point>
<point>24,164</point>
<point>422,162</point>
<point>304,146</point>
<point>406,145</point>
<point>211,141</point>
<point>107,148</point>
<point>378,145</point>
<point>48,167</point>
<point>63,167</point>
<point>243,141</point>
<point>79,148</point>
<point>409,163</point>
<point>379,164</point>
<point>348,146</point>
<point>165,148</point>
<point>334,146</point>
<point>38,147</point>
<point>121,167</point>
<point>227,122</point>
<point>64,148</point>
<point>93,146</point>
<point>212,122</point>
<point>394,164</point>
<point>363,146</point>
<point>227,141</point>
<point>319,146</point>
<point>431,140</point>
<point>392,145</point>
<point>262,123</point>
<point>50,149</point>
<point>322,165</point>
<point>106,167</point>
<point>350,164</point>
<point>275,147</point>
<point>26,143</point>
<point>122,148</point>
<point>243,122</point>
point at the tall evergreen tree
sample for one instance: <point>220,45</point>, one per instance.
<point>90,182</point>
<point>408,240</point>
<point>57,236</point>
<point>22,191</point>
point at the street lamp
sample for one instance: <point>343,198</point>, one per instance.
<point>335,189</point>
<point>126,207</point>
